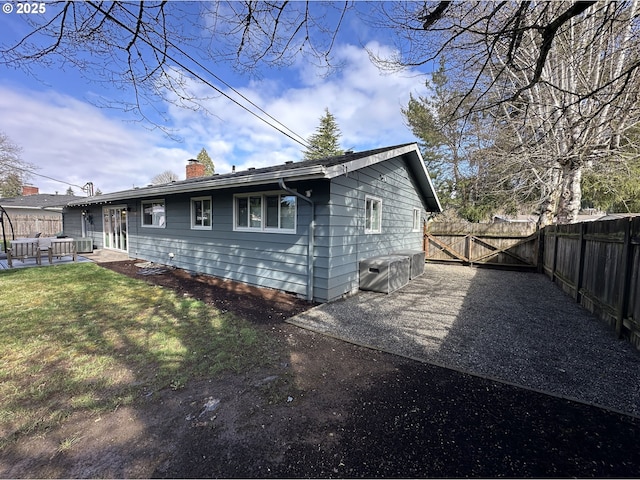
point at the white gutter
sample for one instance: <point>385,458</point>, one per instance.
<point>311,244</point>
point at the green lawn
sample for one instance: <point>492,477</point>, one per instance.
<point>79,337</point>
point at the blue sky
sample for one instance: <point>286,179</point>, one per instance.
<point>56,122</point>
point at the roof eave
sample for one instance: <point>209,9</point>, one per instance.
<point>424,179</point>
<point>305,173</point>
<point>412,153</point>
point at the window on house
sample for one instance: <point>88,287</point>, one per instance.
<point>266,212</point>
<point>417,217</point>
<point>201,213</point>
<point>373,215</point>
<point>153,213</point>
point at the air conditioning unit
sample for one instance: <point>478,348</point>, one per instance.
<point>416,259</point>
<point>384,274</point>
<point>84,245</point>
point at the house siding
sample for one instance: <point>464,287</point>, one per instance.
<point>274,260</point>
<point>390,181</point>
<point>279,260</point>
<point>73,219</point>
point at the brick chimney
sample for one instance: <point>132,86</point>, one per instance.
<point>195,169</point>
<point>29,190</point>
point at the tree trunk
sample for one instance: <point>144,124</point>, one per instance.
<point>571,194</point>
<point>549,204</point>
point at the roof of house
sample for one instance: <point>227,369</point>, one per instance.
<point>324,168</point>
<point>38,201</point>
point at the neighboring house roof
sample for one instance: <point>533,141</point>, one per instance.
<point>515,218</point>
<point>39,201</point>
<point>618,216</point>
<point>325,168</point>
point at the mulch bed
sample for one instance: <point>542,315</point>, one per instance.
<point>258,305</point>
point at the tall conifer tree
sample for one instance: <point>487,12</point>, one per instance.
<point>325,142</point>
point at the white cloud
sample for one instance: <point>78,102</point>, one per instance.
<point>76,142</point>
<point>365,102</point>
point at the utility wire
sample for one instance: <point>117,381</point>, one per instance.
<point>49,178</point>
<point>207,82</point>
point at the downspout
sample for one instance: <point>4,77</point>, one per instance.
<point>311,245</point>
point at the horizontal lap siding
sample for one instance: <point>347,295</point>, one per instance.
<point>392,183</point>
<point>72,222</point>
<point>273,260</point>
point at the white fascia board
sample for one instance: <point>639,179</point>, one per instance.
<point>347,167</point>
<point>415,160</point>
<point>238,180</point>
<point>423,177</point>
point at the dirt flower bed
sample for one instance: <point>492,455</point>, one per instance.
<point>328,409</point>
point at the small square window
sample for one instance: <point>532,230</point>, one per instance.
<point>153,213</point>
<point>201,213</point>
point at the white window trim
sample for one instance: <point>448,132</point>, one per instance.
<point>154,200</point>
<point>368,198</point>
<point>263,228</point>
<point>193,213</point>
<point>417,212</point>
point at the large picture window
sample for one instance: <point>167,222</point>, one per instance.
<point>153,213</point>
<point>265,212</point>
<point>201,213</point>
<point>373,215</point>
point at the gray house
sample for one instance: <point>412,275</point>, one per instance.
<point>300,227</point>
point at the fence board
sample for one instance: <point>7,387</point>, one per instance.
<point>502,244</point>
<point>27,225</point>
<point>597,263</point>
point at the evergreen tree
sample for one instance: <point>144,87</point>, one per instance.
<point>449,147</point>
<point>204,158</point>
<point>325,142</point>
<point>70,191</point>
<point>11,186</point>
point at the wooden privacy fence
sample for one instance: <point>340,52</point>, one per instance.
<point>503,244</point>
<point>597,263</point>
<point>28,225</point>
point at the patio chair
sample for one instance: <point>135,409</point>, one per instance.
<point>23,249</point>
<point>62,247</point>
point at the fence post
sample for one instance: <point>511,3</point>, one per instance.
<point>467,248</point>
<point>621,310</point>
<point>425,240</point>
<point>579,273</point>
<point>555,253</point>
<point>540,250</point>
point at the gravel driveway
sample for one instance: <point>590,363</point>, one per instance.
<point>509,326</point>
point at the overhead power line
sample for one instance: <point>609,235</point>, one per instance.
<point>51,178</point>
<point>280,127</point>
